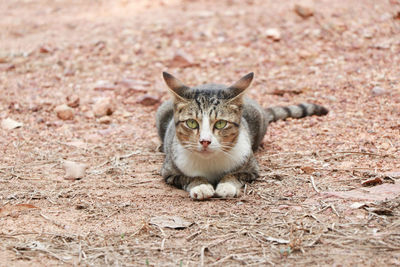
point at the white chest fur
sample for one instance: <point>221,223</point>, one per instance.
<point>211,168</point>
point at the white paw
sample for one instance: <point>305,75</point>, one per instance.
<point>202,191</point>
<point>225,190</point>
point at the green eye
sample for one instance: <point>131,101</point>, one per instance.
<point>192,124</point>
<point>220,124</point>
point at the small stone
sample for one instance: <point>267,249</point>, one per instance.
<point>182,60</point>
<point>73,101</point>
<point>104,106</point>
<point>303,11</point>
<point>273,33</point>
<point>105,120</point>
<point>74,170</point>
<point>10,124</point>
<point>148,100</point>
<point>34,107</point>
<point>64,112</point>
<point>378,91</point>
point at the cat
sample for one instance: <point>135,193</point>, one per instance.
<point>210,132</point>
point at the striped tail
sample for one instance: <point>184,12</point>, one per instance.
<point>295,111</point>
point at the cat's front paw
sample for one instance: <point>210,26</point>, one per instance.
<point>226,190</point>
<point>202,192</point>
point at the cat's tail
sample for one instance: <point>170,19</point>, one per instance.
<point>295,111</point>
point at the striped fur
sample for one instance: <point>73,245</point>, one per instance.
<point>207,161</point>
<point>294,111</point>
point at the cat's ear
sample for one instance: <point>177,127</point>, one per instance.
<point>176,87</point>
<point>238,88</point>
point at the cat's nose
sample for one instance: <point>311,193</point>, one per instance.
<point>205,143</point>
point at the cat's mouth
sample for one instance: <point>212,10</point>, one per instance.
<point>205,152</point>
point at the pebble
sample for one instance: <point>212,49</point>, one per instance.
<point>104,106</point>
<point>73,101</point>
<point>377,90</point>
<point>273,33</point>
<point>64,112</point>
<point>10,124</point>
<point>74,170</point>
<point>303,11</point>
<point>105,120</point>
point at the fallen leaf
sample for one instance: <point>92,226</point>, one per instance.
<point>74,170</point>
<point>282,92</point>
<point>11,209</point>
<point>381,211</point>
<point>104,86</point>
<point>10,124</point>
<point>376,193</point>
<point>307,169</point>
<point>44,49</point>
<point>131,83</point>
<point>182,60</point>
<point>372,182</point>
<point>393,174</point>
<point>148,100</point>
<point>173,222</point>
<point>277,240</point>
<point>358,205</point>
<point>78,144</point>
<point>6,66</point>
<point>130,86</point>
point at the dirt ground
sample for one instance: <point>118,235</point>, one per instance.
<point>329,191</point>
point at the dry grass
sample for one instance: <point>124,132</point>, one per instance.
<point>284,218</point>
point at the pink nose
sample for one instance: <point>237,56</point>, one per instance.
<point>205,143</point>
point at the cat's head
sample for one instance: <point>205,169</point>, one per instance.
<point>208,117</point>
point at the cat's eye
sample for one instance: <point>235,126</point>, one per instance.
<point>192,124</point>
<point>220,124</point>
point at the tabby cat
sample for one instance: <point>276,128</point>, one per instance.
<point>209,133</point>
